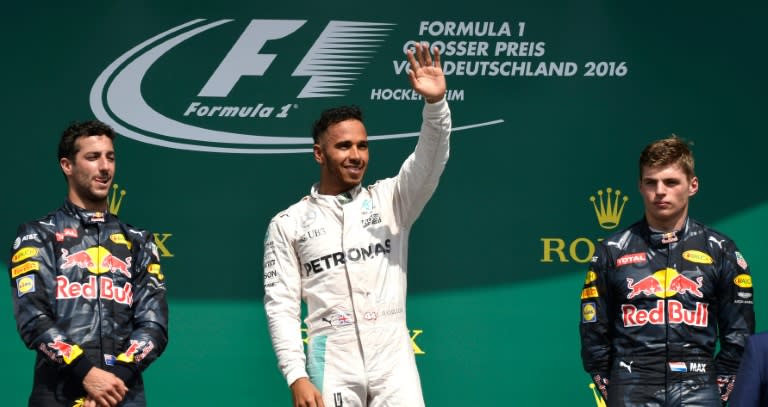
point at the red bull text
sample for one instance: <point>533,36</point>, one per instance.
<point>676,314</point>
<point>66,290</point>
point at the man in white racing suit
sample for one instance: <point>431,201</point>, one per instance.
<point>343,250</point>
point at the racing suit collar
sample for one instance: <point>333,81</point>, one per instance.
<point>85,216</point>
<point>342,198</point>
<point>659,239</point>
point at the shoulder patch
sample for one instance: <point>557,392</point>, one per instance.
<point>743,280</point>
<point>588,312</point>
<point>741,261</point>
<point>24,253</point>
<point>25,285</point>
<point>591,276</point>
<point>24,268</point>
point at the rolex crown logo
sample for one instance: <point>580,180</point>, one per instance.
<point>608,210</point>
<point>115,201</point>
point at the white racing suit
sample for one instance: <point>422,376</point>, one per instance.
<point>345,256</point>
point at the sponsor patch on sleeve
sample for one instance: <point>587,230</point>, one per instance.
<point>25,285</point>
<point>270,271</point>
<point>588,312</point>
<point>154,269</point>
<point>24,268</point>
<point>24,253</point>
<point>589,292</point>
<point>741,261</point>
<point>743,280</point>
<point>591,276</point>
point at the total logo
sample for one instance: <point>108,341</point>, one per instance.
<point>243,79</point>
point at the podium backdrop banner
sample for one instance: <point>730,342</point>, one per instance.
<point>552,103</point>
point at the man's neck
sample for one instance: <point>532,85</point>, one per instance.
<point>100,206</point>
<point>331,190</point>
<point>666,226</point>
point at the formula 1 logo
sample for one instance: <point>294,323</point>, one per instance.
<point>226,103</point>
<point>332,64</point>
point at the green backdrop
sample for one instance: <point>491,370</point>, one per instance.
<point>552,102</point>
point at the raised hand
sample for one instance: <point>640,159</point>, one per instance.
<point>426,75</point>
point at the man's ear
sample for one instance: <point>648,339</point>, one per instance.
<point>694,186</point>
<point>318,153</point>
<point>66,166</point>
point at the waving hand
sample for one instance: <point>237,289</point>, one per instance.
<point>426,75</point>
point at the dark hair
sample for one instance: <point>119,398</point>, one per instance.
<point>67,145</point>
<point>668,151</point>
<point>332,116</point>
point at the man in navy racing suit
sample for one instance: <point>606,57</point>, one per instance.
<point>660,294</point>
<point>87,289</point>
<point>343,251</point>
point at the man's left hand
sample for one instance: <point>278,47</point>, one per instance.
<point>426,75</point>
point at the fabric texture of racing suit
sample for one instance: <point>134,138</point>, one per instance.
<point>87,292</point>
<point>651,310</point>
<point>345,256</point>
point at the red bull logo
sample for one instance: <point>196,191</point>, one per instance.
<point>135,345</point>
<point>656,284</point>
<point>114,264</point>
<point>676,314</point>
<point>95,288</point>
<point>97,260</point>
<point>132,353</point>
<point>64,350</point>
<point>80,259</point>
<point>128,355</point>
<point>648,286</point>
<point>683,284</point>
